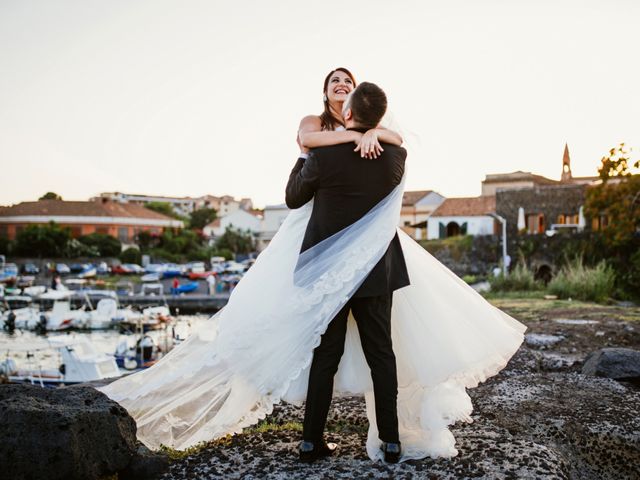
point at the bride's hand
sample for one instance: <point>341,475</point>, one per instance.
<point>369,146</point>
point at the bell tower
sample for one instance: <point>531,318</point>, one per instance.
<point>566,165</point>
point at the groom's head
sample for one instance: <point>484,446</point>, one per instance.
<point>365,106</point>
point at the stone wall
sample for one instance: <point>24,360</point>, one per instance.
<point>551,201</point>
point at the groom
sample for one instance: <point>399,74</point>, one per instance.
<point>345,187</point>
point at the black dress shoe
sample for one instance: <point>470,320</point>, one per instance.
<point>391,452</point>
<point>312,451</point>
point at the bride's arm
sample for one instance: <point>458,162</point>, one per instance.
<point>369,145</point>
<point>311,134</point>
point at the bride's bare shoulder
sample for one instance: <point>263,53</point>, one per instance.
<point>311,122</point>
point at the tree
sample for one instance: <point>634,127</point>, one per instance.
<point>50,196</point>
<point>236,240</point>
<point>164,208</point>
<point>106,245</point>
<point>202,217</point>
<point>42,240</point>
<point>131,255</point>
<point>617,197</point>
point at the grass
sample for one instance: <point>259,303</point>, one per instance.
<point>577,281</point>
<point>520,279</point>
<point>523,306</point>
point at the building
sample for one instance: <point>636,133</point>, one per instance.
<point>238,220</point>
<point>417,206</point>
<point>523,180</point>
<point>184,206</point>
<point>272,217</point>
<point>463,216</point>
<point>544,205</point>
<point>121,220</point>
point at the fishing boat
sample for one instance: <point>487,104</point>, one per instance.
<point>78,362</point>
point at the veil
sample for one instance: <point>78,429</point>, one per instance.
<point>257,350</point>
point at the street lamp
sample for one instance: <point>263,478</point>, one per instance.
<point>503,221</point>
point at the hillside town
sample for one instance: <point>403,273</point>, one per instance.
<point>526,201</point>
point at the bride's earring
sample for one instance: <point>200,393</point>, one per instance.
<point>324,97</point>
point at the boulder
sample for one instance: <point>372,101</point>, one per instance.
<point>65,433</point>
<point>616,363</point>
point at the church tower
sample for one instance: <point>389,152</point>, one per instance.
<point>566,165</point>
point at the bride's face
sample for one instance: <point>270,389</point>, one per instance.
<point>339,87</point>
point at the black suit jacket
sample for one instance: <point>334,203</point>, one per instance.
<point>346,187</point>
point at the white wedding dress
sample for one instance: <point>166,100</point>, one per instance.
<point>257,350</point>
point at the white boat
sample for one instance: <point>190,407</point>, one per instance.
<point>26,317</point>
<point>88,272</point>
<point>80,362</point>
<point>106,315</point>
<point>62,316</point>
<point>150,277</point>
<point>34,291</point>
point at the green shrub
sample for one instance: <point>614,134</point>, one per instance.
<point>470,279</point>
<point>131,255</point>
<point>106,245</point>
<point>458,245</point>
<point>519,279</point>
<point>579,282</point>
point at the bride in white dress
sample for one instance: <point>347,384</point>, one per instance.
<point>257,350</point>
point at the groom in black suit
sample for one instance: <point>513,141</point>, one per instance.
<point>345,187</point>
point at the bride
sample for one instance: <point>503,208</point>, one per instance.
<point>257,350</point>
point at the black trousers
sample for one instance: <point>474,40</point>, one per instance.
<point>373,316</point>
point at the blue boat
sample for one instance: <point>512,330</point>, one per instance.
<point>185,288</point>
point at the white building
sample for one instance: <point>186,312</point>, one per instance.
<point>463,216</point>
<point>272,217</point>
<point>417,207</point>
<point>238,220</point>
<point>223,205</point>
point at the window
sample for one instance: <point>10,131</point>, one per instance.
<point>123,234</point>
<point>600,222</point>
<point>567,219</point>
<point>535,223</point>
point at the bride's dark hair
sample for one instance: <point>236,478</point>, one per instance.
<point>327,118</point>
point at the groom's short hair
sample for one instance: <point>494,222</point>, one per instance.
<point>368,104</point>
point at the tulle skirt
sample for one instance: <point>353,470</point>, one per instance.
<point>258,349</point>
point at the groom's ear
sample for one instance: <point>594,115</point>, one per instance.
<point>348,114</point>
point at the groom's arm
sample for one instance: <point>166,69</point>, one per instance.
<point>303,181</point>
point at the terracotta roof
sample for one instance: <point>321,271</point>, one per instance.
<point>411,198</point>
<point>214,224</point>
<point>81,209</point>
<point>466,207</point>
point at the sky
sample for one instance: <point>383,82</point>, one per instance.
<point>186,98</point>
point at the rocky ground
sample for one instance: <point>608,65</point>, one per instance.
<point>539,418</point>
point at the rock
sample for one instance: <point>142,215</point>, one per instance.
<point>526,425</point>
<point>66,433</point>
<point>616,363</point>
<point>145,465</point>
<point>575,321</point>
<point>542,340</point>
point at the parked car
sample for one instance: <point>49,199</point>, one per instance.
<point>135,268</point>
<point>194,267</point>
<point>127,269</point>
<point>30,269</point>
<point>62,269</point>
<point>102,268</point>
